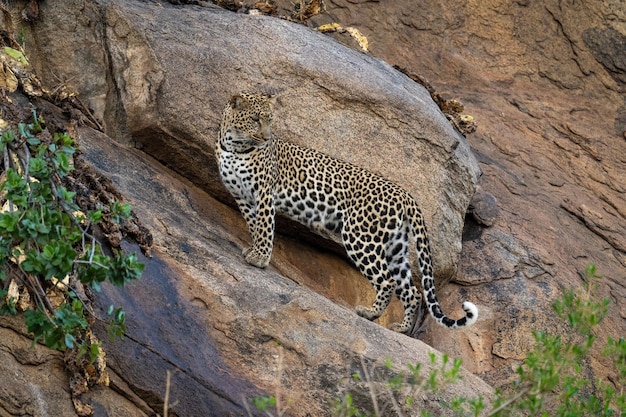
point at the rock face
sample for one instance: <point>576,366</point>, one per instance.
<point>36,383</point>
<point>230,331</point>
<point>546,85</point>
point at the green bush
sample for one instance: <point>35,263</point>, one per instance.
<point>550,382</point>
<point>47,249</point>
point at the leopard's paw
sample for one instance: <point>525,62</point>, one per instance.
<point>399,327</point>
<point>366,312</point>
<point>256,259</point>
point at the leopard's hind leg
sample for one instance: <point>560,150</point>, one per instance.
<point>406,291</point>
<point>369,258</point>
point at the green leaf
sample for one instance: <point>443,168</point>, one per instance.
<point>7,306</point>
<point>39,168</point>
<point>120,211</point>
<point>69,340</point>
<point>9,222</point>
<point>62,164</point>
<point>8,136</point>
<point>125,269</point>
<point>16,188</point>
<point>37,122</point>
<point>388,363</point>
<point>65,141</point>
<point>25,131</point>
<point>95,217</point>
<point>16,55</point>
<point>94,352</point>
<point>94,272</point>
<point>37,323</point>
<point>264,403</point>
<point>42,232</point>
<point>48,252</point>
<point>65,195</point>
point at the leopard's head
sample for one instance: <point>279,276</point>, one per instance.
<point>250,115</point>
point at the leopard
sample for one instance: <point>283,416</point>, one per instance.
<point>374,219</point>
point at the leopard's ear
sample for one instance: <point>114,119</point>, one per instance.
<point>238,102</point>
<point>272,94</point>
<point>272,98</point>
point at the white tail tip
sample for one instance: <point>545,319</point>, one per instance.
<point>471,312</point>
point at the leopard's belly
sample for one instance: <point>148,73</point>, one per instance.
<point>323,218</point>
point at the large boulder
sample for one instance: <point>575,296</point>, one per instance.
<point>159,76</point>
<point>544,82</point>
<point>229,331</point>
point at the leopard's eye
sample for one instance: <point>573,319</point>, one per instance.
<point>255,117</point>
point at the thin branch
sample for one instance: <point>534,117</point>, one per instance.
<point>166,400</point>
<point>281,357</point>
<point>68,211</point>
<point>6,157</point>
<point>246,406</point>
<point>370,385</point>
<point>510,401</point>
<point>81,295</point>
<point>25,161</point>
<point>79,261</point>
<point>394,402</point>
<point>7,166</point>
<point>93,248</point>
<point>36,289</point>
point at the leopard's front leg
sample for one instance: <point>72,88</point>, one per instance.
<point>260,219</point>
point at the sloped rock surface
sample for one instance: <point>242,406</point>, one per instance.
<point>230,331</point>
<point>35,383</point>
<point>34,380</point>
<point>545,84</point>
<point>219,322</point>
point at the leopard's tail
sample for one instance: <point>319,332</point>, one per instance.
<point>428,282</point>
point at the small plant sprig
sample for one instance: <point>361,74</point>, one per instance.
<point>46,245</point>
<point>549,380</point>
<point>397,391</point>
<point>271,405</point>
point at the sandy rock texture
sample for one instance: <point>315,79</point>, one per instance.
<point>225,331</point>
<point>156,77</point>
<point>35,381</point>
<point>228,330</point>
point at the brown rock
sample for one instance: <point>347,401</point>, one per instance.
<point>200,310</point>
<point>35,383</point>
<point>545,84</point>
<point>484,208</point>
